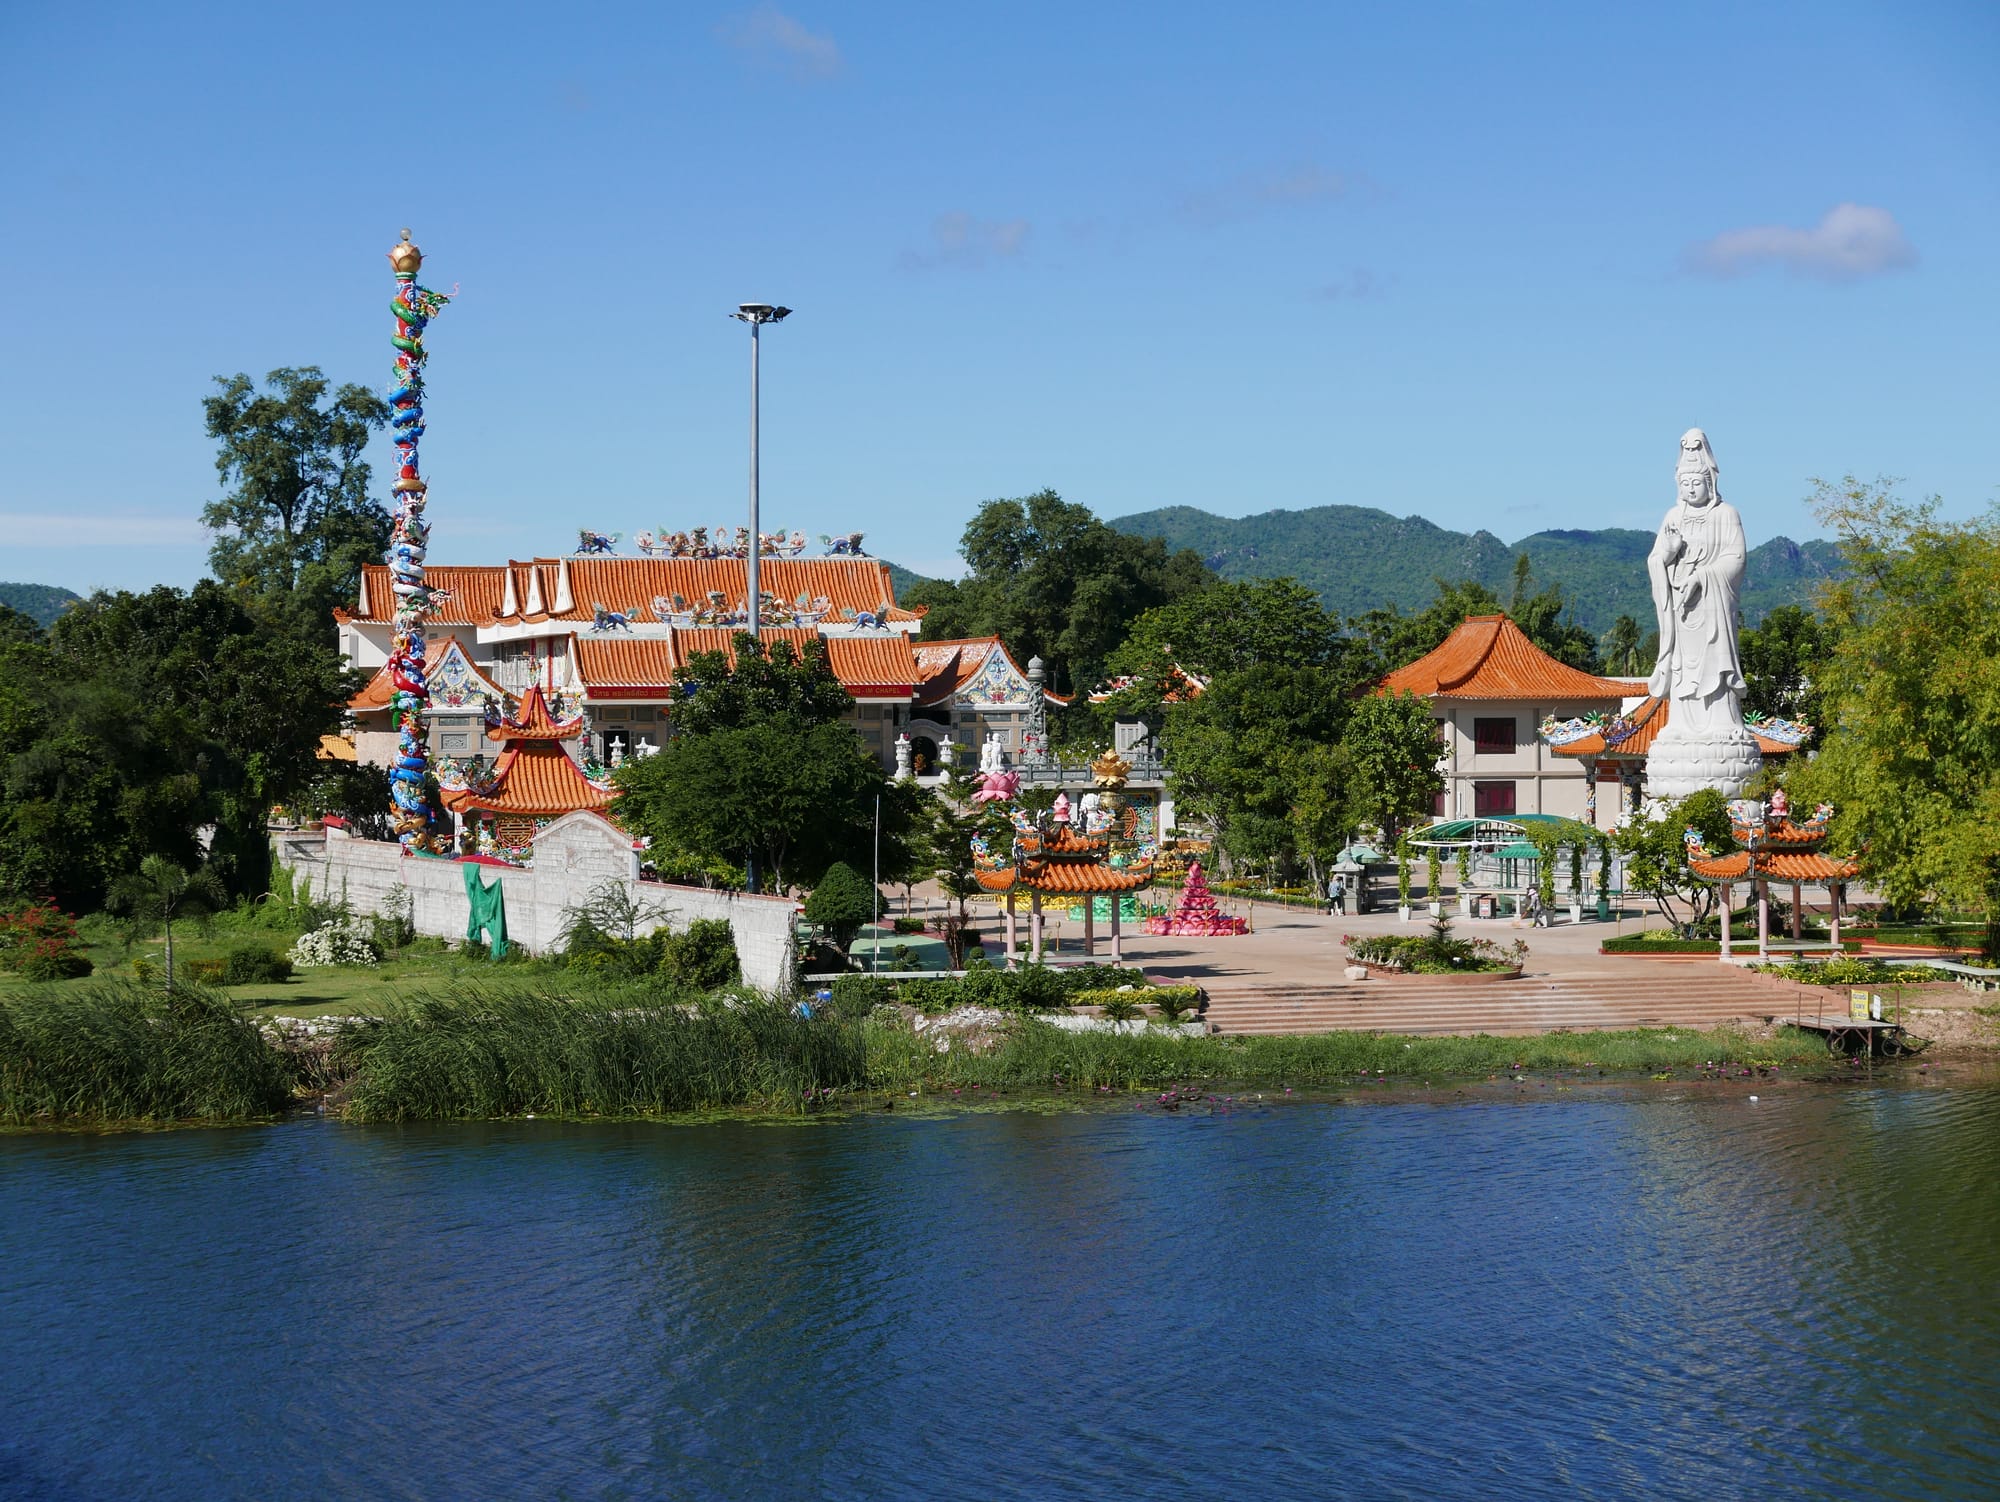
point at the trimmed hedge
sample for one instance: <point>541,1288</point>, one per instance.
<point>1645,943</point>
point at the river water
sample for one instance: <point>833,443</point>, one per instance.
<point>1525,1291</point>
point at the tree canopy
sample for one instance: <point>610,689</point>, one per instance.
<point>1054,582</point>
<point>138,719</point>
<point>296,523</point>
<point>1911,698</point>
<point>761,763</point>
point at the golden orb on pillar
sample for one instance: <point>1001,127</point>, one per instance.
<point>406,258</point>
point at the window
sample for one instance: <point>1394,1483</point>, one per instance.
<point>1493,737</point>
<point>1492,799</point>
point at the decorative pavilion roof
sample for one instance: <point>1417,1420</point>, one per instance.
<point>978,668</point>
<point>1775,866</point>
<point>1078,878</point>
<point>1489,657</point>
<point>534,722</point>
<point>1629,736</point>
<point>452,674</point>
<point>569,589</point>
<point>534,777</point>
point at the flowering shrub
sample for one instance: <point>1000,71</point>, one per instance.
<point>39,940</point>
<point>334,944</point>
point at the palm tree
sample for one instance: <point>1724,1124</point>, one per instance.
<point>160,891</point>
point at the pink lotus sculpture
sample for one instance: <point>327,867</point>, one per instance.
<point>1196,914</point>
<point>998,787</point>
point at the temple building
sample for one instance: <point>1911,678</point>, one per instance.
<point>604,636</point>
<point>1490,687</point>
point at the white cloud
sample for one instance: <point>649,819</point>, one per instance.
<point>1259,192</point>
<point>771,36</point>
<point>958,239</point>
<point>1852,241</point>
<point>1358,284</point>
<point>71,529</point>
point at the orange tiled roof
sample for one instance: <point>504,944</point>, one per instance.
<point>375,693</point>
<point>869,666</point>
<point>882,663</point>
<point>1489,657</point>
<point>1777,866</point>
<point>1650,717</point>
<point>533,721</point>
<point>1074,878</point>
<point>605,663</point>
<point>480,592</point>
<point>533,777</point>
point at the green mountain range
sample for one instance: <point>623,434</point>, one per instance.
<point>1358,558</point>
<point>42,602</point>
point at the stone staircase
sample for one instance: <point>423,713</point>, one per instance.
<point>1679,996</point>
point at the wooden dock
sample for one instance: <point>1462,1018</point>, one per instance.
<point>1878,1038</point>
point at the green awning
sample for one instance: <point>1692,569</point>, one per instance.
<point>1520,850</point>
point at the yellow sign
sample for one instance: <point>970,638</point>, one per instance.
<point>1857,1005</point>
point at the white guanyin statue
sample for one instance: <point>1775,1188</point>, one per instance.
<point>1696,568</point>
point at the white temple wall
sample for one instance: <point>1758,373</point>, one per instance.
<point>574,857</point>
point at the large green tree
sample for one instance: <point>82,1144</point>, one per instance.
<point>138,720</point>
<point>760,761</point>
<point>1782,659</point>
<point>1392,743</point>
<point>1910,751</point>
<point>1054,582</point>
<point>296,523</point>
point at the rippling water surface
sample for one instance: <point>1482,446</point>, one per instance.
<point>1597,1294</point>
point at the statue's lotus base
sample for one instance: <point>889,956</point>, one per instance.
<point>1726,759</point>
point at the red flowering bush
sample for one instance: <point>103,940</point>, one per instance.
<point>39,940</point>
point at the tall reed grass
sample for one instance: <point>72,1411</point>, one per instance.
<point>118,1051</point>
<point>499,1051</point>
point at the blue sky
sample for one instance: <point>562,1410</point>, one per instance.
<point>1476,262</point>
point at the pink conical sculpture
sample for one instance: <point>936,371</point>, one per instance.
<point>1196,913</point>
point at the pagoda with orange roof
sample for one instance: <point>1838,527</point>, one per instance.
<point>1060,863</point>
<point>533,781</point>
<point>1490,686</point>
<point>1773,849</point>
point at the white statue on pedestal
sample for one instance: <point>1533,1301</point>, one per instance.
<point>1696,568</point>
<point>991,756</point>
<point>903,757</point>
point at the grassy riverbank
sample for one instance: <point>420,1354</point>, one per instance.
<point>118,1052</point>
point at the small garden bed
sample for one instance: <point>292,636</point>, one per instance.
<point>1436,952</point>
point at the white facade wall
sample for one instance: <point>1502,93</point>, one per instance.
<point>1544,783</point>
<point>574,856</point>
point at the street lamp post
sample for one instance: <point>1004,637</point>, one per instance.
<point>756,314</point>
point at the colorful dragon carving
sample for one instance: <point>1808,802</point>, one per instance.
<point>409,700</point>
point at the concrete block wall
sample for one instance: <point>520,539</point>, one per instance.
<point>574,857</point>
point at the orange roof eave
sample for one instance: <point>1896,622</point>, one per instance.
<point>1489,657</point>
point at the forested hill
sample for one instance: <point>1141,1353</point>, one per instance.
<point>1358,558</point>
<point>42,602</point>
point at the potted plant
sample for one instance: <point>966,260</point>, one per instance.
<point>1403,877</point>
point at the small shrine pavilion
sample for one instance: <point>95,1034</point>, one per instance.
<point>1063,863</point>
<point>1613,748</point>
<point>533,781</point>
<point>1773,849</point>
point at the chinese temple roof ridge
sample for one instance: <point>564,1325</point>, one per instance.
<point>1489,657</point>
<point>534,722</point>
<point>535,777</point>
<point>1630,736</point>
